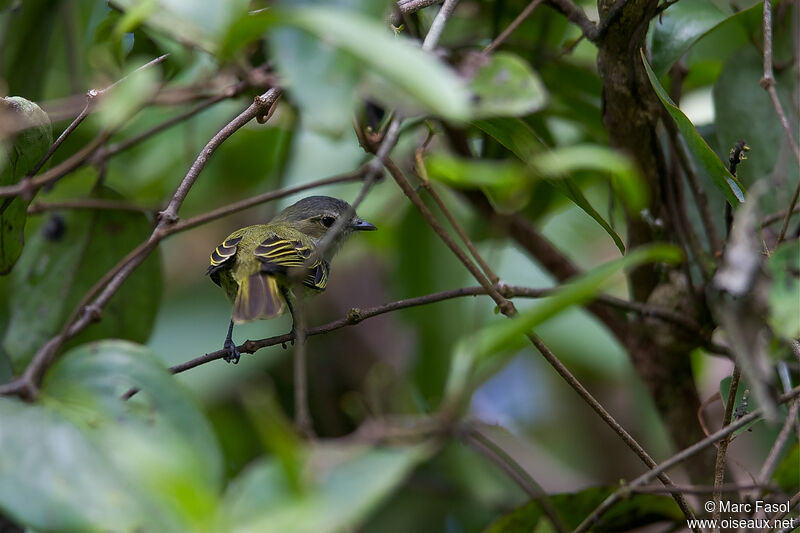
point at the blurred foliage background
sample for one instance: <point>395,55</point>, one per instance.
<point>212,449</point>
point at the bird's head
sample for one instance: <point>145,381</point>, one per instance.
<point>315,215</point>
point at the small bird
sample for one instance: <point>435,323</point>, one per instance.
<point>252,263</point>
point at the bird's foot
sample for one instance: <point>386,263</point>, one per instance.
<point>293,334</point>
<point>233,354</point>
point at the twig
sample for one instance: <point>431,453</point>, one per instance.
<point>698,489</point>
<point>407,7</point>
<point>89,310</point>
<point>530,8</point>
<point>356,316</point>
<point>426,183</point>
<point>89,203</point>
<point>768,83</point>
<point>722,449</point>
<point>91,98</point>
<point>121,146</point>
<point>302,414</point>
<point>699,195</point>
<point>484,445</point>
<point>438,24</point>
<point>508,309</point>
<point>576,15</point>
<point>775,217</point>
<point>676,459</point>
<point>768,468</point>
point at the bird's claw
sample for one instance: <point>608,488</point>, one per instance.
<point>293,334</point>
<point>233,354</point>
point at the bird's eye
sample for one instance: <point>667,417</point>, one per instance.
<point>328,221</point>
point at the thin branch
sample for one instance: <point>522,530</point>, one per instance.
<point>426,183</point>
<point>259,107</point>
<point>699,195</point>
<point>89,203</point>
<point>785,433</point>
<point>91,98</point>
<point>780,215</point>
<point>722,449</point>
<point>88,310</point>
<point>676,459</point>
<point>768,83</point>
<point>530,8</point>
<point>699,489</point>
<point>407,7</point>
<point>576,15</point>
<point>438,24</point>
<point>302,414</point>
<point>508,309</point>
<point>121,146</point>
<point>484,445</point>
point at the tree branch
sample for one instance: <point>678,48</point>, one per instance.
<point>768,83</point>
<point>676,459</point>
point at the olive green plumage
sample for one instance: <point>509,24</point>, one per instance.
<point>252,263</point>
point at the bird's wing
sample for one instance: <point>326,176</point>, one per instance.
<point>278,254</point>
<point>223,253</point>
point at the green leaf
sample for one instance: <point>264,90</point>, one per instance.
<point>47,463</point>
<point>784,311</point>
<point>18,156</point>
<point>637,511</point>
<point>743,112</point>
<point>394,58</point>
<point>679,27</point>
<point>624,176</point>
<point>479,349</point>
<point>96,462</point>
<point>159,441</point>
<point>345,483</point>
<point>714,167</point>
<point>506,85</point>
<point>519,138</point>
<point>62,261</point>
<point>506,183</point>
<point>193,22</point>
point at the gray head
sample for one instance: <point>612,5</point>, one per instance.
<point>315,215</point>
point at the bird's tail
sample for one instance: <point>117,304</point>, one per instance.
<point>258,297</point>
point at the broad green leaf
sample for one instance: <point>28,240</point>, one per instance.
<point>624,176</point>
<point>506,85</point>
<point>637,511</point>
<point>49,464</point>
<point>520,139</point>
<point>28,42</point>
<point>742,112</point>
<point>506,183</point>
<point>679,27</point>
<point>714,167</point>
<point>97,462</point>
<point>192,22</point>
<point>784,309</point>
<point>479,349</point>
<point>18,156</point>
<point>394,58</point>
<point>159,441</point>
<point>62,261</point>
<point>344,483</point>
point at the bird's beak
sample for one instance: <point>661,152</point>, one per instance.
<point>363,225</point>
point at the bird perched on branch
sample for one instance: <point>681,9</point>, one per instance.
<point>258,265</point>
